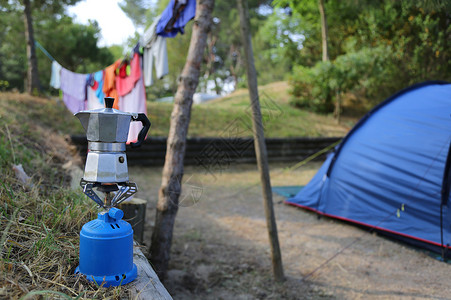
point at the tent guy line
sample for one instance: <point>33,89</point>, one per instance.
<point>285,170</point>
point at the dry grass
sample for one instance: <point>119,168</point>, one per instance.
<point>39,244</point>
<point>39,225</point>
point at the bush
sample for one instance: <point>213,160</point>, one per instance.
<point>309,91</point>
<point>368,71</point>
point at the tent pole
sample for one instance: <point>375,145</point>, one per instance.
<point>259,141</point>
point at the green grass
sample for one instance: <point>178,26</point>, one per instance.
<point>27,112</point>
<point>220,117</point>
<point>232,114</point>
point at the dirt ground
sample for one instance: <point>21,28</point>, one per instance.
<point>221,250</point>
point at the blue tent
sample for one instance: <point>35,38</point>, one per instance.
<point>391,172</point>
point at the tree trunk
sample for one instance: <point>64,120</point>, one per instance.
<point>324,31</point>
<point>337,112</point>
<point>259,141</point>
<point>234,66</point>
<point>32,72</point>
<point>171,184</point>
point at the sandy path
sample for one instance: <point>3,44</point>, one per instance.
<point>220,248</point>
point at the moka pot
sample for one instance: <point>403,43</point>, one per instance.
<point>107,132</point>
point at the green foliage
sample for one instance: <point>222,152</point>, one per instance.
<point>364,72</point>
<point>303,16</point>
<point>51,7</point>
<point>276,47</point>
<point>309,89</point>
<point>286,35</point>
<point>4,85</point>
<point>72,45</point>
<point>376,49</point>
<point>12,48</point>
<point>224,57</point>
<point>139,11</point>
<point>117,51</point>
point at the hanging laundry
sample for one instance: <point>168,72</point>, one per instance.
<point>126,82</point>
<point>90,82</point>
<point>73,86</point>
<point>138,49</point>
<point>55,79</point>
<point>98,84</point>
<point>175,16</point>
<point>124,68</point>
<point>92,102</point>
<point>134,102</point>
<point>109,82</point>
<point>154,53</point>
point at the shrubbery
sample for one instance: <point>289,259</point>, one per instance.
<point>376,49</point>
<point>368,72</point>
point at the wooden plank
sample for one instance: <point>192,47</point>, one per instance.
<point>81,139</point>
<point>239,150</point>
<point>147,285</point>
<point>238,160</point>
<point>226,153</point>
<point>150,160</point>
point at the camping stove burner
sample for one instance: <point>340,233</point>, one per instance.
<point>122,190</point>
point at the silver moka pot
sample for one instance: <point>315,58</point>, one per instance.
<point>106,163</point>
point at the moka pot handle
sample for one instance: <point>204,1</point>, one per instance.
<point>142,134</point>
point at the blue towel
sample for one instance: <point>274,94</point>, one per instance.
<point>98,76</point>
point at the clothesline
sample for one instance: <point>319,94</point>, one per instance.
<point>125,79</point>
<point>154,50</point>
<point>43,50</point>
<point>171,22</point>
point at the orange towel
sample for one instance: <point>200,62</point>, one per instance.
<point>109,85</point>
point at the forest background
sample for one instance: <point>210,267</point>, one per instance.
<point>374,48</point>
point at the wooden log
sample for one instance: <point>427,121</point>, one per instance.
<point>135,214</point>
<point>146,285</point>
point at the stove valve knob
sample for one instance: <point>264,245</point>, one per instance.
<point>116,213</point>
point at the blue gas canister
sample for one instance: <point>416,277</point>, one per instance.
<point>106,250</point>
